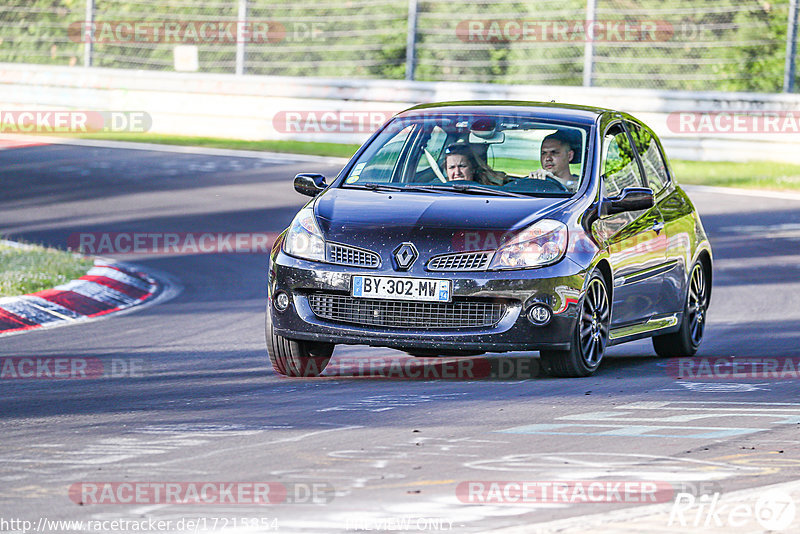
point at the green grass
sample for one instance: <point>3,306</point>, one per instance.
<point>290,147</point>
<point>754,175</point>
<point>749,175</point>
<point>28,270</point>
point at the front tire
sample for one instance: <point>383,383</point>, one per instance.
<point>590,338</point>
<point>686,340</point>
<point>295,358</point>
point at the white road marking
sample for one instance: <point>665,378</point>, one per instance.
<point>590,465</point>
<point>683,418</point>
<point>596,422</point>
<point>382,403</point>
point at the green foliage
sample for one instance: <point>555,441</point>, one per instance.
<point>331,39</point>
<point>35,31</point>
<point>758,66</point>
<point>732,45</point>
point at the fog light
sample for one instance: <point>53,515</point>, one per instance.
<point>281,301</point>
<point>539,314</point>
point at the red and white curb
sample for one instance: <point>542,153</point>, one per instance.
<point>8,142</point>
<point>108,287</point>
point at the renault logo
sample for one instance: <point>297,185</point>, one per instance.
<point>405,255</point>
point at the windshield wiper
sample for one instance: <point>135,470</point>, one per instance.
<point>439,188</point>
<point>372,186</point>
<point>475,189</point>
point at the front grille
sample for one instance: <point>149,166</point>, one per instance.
<point>407,314</point>
<point>465,261</point>
<point>356,257</point>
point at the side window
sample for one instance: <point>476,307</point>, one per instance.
<point>653,161</point>
<point>619,164</point>
<point>434,146</point>
<point>380,166</point>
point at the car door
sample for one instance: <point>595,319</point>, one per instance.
<point>634,239</point>
<point>676,211</point>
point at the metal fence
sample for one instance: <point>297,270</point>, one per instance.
<point>734,45</point>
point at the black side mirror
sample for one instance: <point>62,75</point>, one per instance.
<point>309,184</point>
<point>630,199</point>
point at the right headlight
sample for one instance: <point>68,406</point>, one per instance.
<point>540,244</point>
<point>304,239</point>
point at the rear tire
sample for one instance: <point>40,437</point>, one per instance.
<point>296,358</point>
<point>590,338</point>
<point>687,339</point>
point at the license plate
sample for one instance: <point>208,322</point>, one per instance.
<point>390,287</point>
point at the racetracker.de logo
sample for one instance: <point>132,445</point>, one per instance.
<point>68,368</point>
<point>570,31</point>
<point>400,368</point>
<point>730,368</point>
<point>171,242</point>
<point>74,121</point>
<point>734,122</point>
<point>204,493</point>
<point>178,32</point>
<point>330,121</point>
<point>489,240</point>
<point>563,491</point>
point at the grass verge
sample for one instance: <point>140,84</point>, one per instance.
<point>753,175</point>
<point>289,147</point>
<point>747,175</point>
<point>31,268</point>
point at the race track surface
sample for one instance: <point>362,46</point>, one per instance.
<point>194,399</point>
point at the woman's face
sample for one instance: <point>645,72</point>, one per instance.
<point>458,167</point>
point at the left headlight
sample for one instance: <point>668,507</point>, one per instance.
<point>304,238</point>
<point>540,244</point>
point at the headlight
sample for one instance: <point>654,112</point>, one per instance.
<point>540,244</point>
<point>304,238</point>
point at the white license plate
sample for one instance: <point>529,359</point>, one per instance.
<point>391,287</point>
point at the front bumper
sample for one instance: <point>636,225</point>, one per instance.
<point>558,286</point>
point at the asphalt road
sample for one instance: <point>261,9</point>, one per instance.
<point>203,404</point>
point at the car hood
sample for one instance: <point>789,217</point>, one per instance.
<point>380,220</point>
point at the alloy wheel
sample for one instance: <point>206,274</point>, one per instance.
<point>594,323</point>
<point>697,304</point>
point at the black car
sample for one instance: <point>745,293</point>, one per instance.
<point>468,227</point>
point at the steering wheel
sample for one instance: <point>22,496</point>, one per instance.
<point>551,185</point>
<point>557,183</point>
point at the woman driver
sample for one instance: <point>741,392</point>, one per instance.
<point>461,164</point>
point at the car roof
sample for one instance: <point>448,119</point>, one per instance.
<point>542,110</point>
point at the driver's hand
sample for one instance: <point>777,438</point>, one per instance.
<point>541,174</point>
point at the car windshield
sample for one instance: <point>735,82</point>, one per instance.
<point>482,153</point>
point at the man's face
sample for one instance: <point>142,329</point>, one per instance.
<point>555,157</point>
<point>458,167</point>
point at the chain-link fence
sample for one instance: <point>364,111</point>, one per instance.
<point>737,45</point>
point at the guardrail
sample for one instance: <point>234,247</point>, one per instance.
<point>693,125</point>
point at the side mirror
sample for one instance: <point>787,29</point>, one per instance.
<point>631,199</point>
<point>309,184</point>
